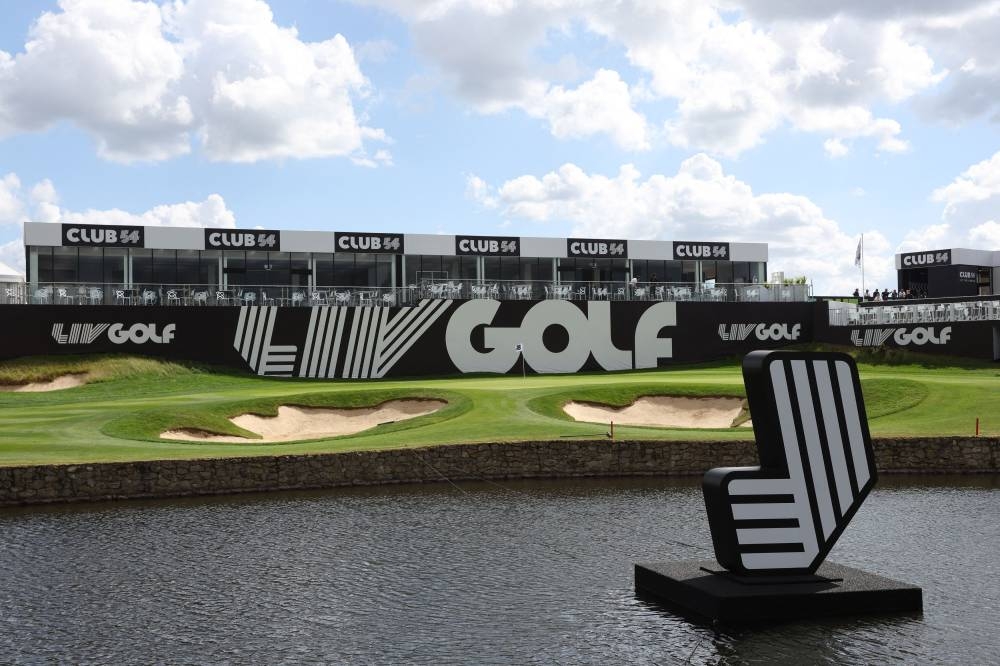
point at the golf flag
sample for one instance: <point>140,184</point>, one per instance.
<point>857,253</point>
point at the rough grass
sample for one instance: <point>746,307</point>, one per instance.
<point>120,416</point>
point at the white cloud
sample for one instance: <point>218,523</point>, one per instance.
<point>700,201</point>
<point>735,70</point>
<point>144,79</point>
<point>40,204</point>
<point>980,182</point>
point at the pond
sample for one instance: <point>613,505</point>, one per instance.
<point>497,573</point>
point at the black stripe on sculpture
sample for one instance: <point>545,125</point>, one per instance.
<point>816,465</point>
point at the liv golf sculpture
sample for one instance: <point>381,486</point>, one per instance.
<point>772,526</point>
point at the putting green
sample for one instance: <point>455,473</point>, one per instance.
<point>119,416</point>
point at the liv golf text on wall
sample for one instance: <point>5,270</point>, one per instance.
<point>425,338</point>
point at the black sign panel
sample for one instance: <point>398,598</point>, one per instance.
<point>100,235</point>
<point>596,247</point>
<point>242,239</point>
<point>346,241</point>
<point>924,259</point>
<point>696,250</point>
<point>487,246</point>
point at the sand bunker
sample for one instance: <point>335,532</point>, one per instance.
<point>297,423</point>
<point>662,411</point>
<point>57,384</point>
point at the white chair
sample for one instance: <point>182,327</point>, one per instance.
<point>41,295</point>
<point>223,297</point>
<point>200,298</point>
<point>365,298</point>
<point>249,297</point>
<point>640,292</point>
<point>64,296</point>
<point>342,297</point>
<point>173,297</point>
<point>389,299</point>
<point>95,295</point>
<point>318,298</point>
<point>298,298</point>
<point>149,297</point>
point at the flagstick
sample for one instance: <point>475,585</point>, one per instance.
<point>862,263</point>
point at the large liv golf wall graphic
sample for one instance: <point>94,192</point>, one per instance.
<point>425,338</point>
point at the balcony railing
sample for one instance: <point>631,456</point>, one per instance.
<point>917,313</point>
<point>288,295</point>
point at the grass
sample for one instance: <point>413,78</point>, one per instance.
<point>119,415</point>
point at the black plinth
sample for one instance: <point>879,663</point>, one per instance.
<point>702,590</point>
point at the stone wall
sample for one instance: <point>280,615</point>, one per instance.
<point>170,478</point>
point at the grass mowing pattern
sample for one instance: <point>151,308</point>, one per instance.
<point>120,416</point>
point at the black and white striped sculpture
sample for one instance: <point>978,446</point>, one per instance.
<point>816,465</point>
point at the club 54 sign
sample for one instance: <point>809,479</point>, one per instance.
<point>372,243</point>
<point>591,247</point>
<point>934,258</point>
<point>689,250</point>
<point>487,246</point>
<point>97,235</point>
<point>257,239</point>
<point>587,334</point>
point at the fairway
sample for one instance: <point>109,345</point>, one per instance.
<point>118,417</point>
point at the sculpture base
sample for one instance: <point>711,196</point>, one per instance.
<point>702,590</point>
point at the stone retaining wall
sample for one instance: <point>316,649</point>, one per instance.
<point>171,478</point>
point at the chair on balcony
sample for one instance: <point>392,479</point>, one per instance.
<point>479,291</point>
<point>95,295</point>
<point>640,293</point>
<point>365,298</point>
<point>149,297</point>
<point>173,297</point>
<point>298,298</point>
<point>63,295</point>
<point>41,296</point>
<point>249,298</point>
<point>389,299</point>
<point>200,297</point>
<point>223,297</point>
<point>342,297</point>
<point>318,298</point>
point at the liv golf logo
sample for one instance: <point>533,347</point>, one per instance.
<point>763,332</point>
<point>816,465</point>
<point>903,337</point>
<point>137,334</point>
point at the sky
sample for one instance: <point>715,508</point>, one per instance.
<point>800,124</point>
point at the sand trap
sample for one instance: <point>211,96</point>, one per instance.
<point>297,423</point>
<point>57,384</point>
<point>662,411</point>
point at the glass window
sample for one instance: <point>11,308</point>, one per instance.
<point>724,272</point>
<point>208,268</point>
<point>708,270</point>
<point>187,267</point>
<point>741,272</point>
<point>491,268</point>
<point>343,269</point>
<point>299,269</point>
<point>63,266</point>
<point>256,273</point>
<point>383,265</point>
<point>672,271</point>
<point>142,267</point>
<point>114,265</point>
<point>687,271</point>
<point>44,258</point>
<point>365,270</point>
<point>276,269</point>
<point>235,267</point>
<point>91,264</point>
<point>165,266</point>
<point>324,269</point>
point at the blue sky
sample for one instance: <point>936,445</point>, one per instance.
<point>800,125</point>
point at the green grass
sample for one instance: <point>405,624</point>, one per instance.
<point>131,400</point>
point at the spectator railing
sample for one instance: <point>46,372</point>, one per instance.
<point>901,312</point>
<point>60,293</point>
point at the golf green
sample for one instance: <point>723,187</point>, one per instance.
<point>119,415</point>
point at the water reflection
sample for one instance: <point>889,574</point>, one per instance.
<point>512,572</point>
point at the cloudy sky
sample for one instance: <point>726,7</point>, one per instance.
<point>802,124</point>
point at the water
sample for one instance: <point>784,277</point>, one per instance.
<point>511,573</point>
